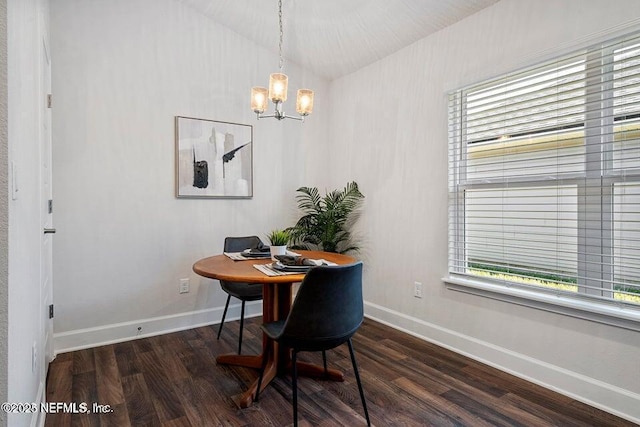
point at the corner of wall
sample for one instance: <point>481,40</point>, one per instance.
<point>4,210</point>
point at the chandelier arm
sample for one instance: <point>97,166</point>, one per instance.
<point>300,119</point>
<point>279,117</point>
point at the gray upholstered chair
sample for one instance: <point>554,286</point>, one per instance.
<point>327,312</point>
<point>243,291</point>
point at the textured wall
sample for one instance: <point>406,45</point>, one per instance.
<point>121,71</point>
<point>393,141</point>
<point>4,211</point>
<point>26,24</point>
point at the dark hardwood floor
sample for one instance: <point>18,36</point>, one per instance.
<point>173,380</point>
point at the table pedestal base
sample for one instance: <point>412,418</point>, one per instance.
<point>247,361</point>
<point>304,369</point>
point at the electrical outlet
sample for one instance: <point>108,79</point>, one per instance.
<point>417,289</point>
<point>184,286</point>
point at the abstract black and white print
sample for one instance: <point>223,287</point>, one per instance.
<point>213,158</point>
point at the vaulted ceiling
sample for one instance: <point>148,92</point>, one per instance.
<point>337,37</point>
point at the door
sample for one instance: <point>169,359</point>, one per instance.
<point>46,209</point>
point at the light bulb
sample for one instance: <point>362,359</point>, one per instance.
<point>258,99</point>
<point>304,102</point>
<point>278,83</point>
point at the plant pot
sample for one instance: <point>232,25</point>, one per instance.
<point>278,250</point>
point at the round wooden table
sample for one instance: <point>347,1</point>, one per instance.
<point>276,302</point>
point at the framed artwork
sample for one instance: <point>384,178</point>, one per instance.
<point>213,159</point>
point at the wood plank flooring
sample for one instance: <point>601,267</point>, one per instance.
<point>173,380</point>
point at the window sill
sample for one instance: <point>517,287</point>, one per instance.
<point>620,316</point>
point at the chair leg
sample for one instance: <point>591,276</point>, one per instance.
<point>265,358</point>
<point>241,328</point>
<point>355,370</point>
<point>224,314</point>
<point>324,363</point>
<point>294,386</point>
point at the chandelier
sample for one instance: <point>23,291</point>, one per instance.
<point>277,91</point>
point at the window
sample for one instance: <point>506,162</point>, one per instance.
<point>544,180</point>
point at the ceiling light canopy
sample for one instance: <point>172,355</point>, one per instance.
<point>277,92</point>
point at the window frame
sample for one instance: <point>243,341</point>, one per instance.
<point>598,164</point>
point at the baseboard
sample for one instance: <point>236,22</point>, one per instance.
<point>118,332</point>
<point>608,397</point>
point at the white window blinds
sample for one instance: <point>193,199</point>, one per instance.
<point>544,177</point>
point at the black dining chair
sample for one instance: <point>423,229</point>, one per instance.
<point>243,291</point>
<point>327,312</point>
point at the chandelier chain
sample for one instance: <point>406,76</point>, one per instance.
<point>281,33</point>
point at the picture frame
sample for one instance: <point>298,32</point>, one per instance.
<point>214,159</point>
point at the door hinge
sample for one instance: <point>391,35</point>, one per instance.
<point>50,205</point>
<point>49,100</point>
<point>50,311</point>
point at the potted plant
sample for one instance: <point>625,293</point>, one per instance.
<point>279,240</point>
<point>327,220</point>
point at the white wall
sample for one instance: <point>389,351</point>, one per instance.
<point>26,22</point>
<point>4,211</point>
<point>393,142</point>
<point>122,70</point>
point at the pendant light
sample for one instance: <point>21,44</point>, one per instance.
<point>277,92</point>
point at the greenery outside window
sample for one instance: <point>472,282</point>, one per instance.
<point>544,179</point>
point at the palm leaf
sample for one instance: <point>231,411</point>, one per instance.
<point>326,220</point>
<point>309,199</point>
